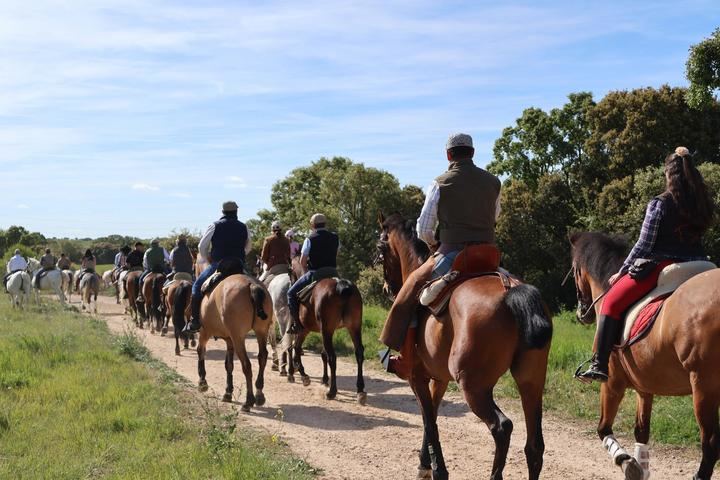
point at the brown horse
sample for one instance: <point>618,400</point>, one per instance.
<point>132,287</point>
<point>333,304</point>
<point>177,309</point>
<point>236,306</point>
<point>485,331</point>
<point>153,310</point>
<point>678,356</point>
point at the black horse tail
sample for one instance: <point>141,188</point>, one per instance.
<point>344,288</point>
<point>526,305</point>
<point>182,297</point>
<point>157,285</point>
<point>257,296</point>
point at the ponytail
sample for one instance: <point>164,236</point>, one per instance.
<point>686,185</point>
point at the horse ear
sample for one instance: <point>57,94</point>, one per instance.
<point>381,218</point>
<point>574,237</point>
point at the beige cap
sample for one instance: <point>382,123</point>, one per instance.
<point>682,151</point>
<point>318,219</point>
<point>229,206</point>
<point>276,225</point>
<point>459,140</point>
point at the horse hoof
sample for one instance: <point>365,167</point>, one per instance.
<point>227,397</point>
<point>633,470</point>
<point>193,343</point>
<point>203,387</point>
<point>283,372</point>
<point>325,382</point>
<point>331,395</point>
<point>306,380</point>
<point>291,379</point>
<point>439,475</point>
<point>274,367</point>
<point>246,408</point>
<point>424,474</point>
<point>164,331</point>
<point>362,398</point>
<point>259,399</point>
<point>177,352</point>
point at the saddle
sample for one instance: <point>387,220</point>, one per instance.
<point>226,267</point>
<point>641,317</point>
<point>305,294</point>
<point>475,260</point>
<point>273,272</point>
<point>176,277</point>
<point>36,279</point>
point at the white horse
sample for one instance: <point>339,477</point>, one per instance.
<point>278,289</point>
<point>89,289</point>
<point>107,278</point>
<point>68,276</point>
<point>52,280</point>
<point>19,287</point>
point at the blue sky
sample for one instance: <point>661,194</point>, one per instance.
<point>138,117</point>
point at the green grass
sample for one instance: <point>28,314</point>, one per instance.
<point>76,402</point>
<point>673,420</point>
<point>100,269</point>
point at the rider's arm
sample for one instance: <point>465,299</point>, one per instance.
<point>206,242</point>
<point>648,233</point>
<point>427,222</point>
<point>305,255</point>
<point>248,243</point>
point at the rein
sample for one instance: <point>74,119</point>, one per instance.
<point>581,315</point>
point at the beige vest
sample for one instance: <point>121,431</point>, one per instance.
<point>468,202</point>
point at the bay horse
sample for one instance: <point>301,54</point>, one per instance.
<point>237,305</point>
<point>678,356</point>
<point>153,310</point>
<point>485,331</point>
<point>333,304</point>
<point>177,308</point>
<point>132,287</point>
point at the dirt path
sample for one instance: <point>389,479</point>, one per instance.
<point>381,439</point>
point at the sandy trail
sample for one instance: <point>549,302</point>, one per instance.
<point>381,440</point>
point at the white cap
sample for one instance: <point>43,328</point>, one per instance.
<point>290,233</point>
<point>459,140</point>
<point>276,225</point>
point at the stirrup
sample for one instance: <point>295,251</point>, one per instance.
<point>589,375</point>
<point>190,329</point>
<point>384,355</point>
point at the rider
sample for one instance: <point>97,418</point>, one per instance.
<point>153,262</point>
<point>17,263</point>
<point>462,206</point>
<point>275,252</point>
<point>47,263</point>
<point>121,257</point>
<point>181,260</point>
<point>87,265</point>
<point>671,232</point>
<point>134,259</point>
<point>318,258</point>
<point>227,238</point>
<point>294,246</point>
<point>63,262</point>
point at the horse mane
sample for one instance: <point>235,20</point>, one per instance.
<point>406,229</point>
<point>599,253</point>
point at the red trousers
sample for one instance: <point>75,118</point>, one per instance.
<point>626,291</point>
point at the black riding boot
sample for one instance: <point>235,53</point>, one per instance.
<point>607,336</point>
<point>194,325</point>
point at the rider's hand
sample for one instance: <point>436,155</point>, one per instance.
<point>614,278</point>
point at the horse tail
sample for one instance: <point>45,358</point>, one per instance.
<point>526,305</point>
<point>182,296</point>
<point>257,297</point>
<point>344,288</point>
<point>156,291</point>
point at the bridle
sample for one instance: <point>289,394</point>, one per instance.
<point>383,247</point>
<point>585,305</point>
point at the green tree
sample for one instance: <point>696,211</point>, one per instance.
<point>703,71</point>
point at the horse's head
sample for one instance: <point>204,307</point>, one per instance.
<point>398,250</point>
<point>33,265</point>
<point>595,257</point>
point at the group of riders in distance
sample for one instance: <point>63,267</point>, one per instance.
<point>457,314</point>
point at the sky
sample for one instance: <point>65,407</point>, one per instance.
<point>141,117</point>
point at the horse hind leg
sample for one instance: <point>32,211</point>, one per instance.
<point>706,400</point>
<point>239,344</point>
<point>229,366</point>
<point>356,336</point>
<point>262,363</point>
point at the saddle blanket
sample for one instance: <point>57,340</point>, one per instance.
<point>642,315</point>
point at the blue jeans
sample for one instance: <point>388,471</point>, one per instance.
<point>209,270</point>
<point>443,263</point>
<point>293,302</point>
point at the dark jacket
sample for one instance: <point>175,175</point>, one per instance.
<point>229,239</point>
<point>155,258</point>
<point>323,249</point>
<point>134,259</point>
<point>676,238</point>
<point>468,203</point>
<point>181,258</point>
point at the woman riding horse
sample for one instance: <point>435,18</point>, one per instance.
<point>671,232</point>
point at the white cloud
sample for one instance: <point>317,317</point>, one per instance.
<point>180,195</point>
<point>22,206</point>
<point>145,187</point>
<point>235,182</point>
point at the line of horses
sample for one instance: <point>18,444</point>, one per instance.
<point>488,329</point>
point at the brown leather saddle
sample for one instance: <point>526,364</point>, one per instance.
<point>226,267</point>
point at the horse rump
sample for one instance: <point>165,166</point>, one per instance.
<point>157,302</point>
<point>257,296</point>
<point>344,288</point>
<point>526,305</point>
<point>182,297</point>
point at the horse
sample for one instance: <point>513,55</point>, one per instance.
<point>485,331</point>
<point>678,356</point>
<point>68,277</point>
<point>89,289</point>
<point>132,286</point>
<point>110,278</point>
<point>236,305</point>
<point>107,278</point>
<point>177,308</point>
<point>19,287</point>
<point>52,280</point>
<point>154,308</point>
<point>334,303</point>
<point>278,289</point>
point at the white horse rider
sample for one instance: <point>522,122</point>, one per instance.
<point>19,286</point>
<point>52,280</point>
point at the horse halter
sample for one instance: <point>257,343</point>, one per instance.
<point>585,306</point>
<point>382,247</point>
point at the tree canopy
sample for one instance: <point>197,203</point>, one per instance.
<point>703,71</point>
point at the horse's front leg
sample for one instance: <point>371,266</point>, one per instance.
<point>437,392</point>
<point>432,462</point>
<point>298,357</point>
<point>642,432</point>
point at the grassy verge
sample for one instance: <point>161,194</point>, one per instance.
<point>673,420</point>
<point>76,402</point>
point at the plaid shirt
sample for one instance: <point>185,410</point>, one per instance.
<point>648,233</point>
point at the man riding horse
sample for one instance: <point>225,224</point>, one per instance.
<point>181,260</point>
<point>47,263</point>
<point>462,206</point>
<point>63,262</point>
<point>153,262</point>
<point>228,238</point>
<point>275,253</point>
<point>318,258</point>
<point>17,263</point>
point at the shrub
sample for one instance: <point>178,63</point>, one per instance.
<point>370,282</point>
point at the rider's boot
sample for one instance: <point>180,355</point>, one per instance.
<point>402,365</point>
<point>194,325</point>
<point>607,336</point>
